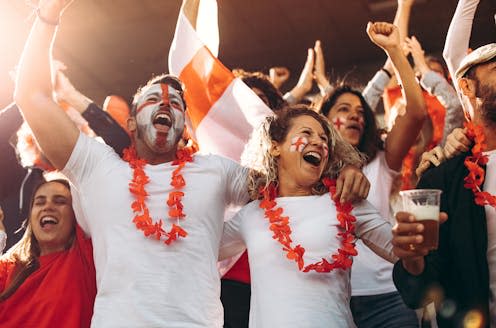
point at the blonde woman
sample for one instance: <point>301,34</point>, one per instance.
<point>300,242</point>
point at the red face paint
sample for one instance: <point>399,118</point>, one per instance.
<point>337,122</point>
<point>165,98</point>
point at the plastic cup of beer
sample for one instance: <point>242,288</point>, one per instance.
<point>424,204</point>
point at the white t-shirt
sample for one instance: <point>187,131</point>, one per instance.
<point>141,282</point>
<point>371,274</point>
<point>282,296</point>
<point>490,187</point>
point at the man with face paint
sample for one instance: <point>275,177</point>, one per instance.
<point>158,115</point>
<point>156,221</point>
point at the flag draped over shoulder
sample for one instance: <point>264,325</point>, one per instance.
<point>222,110</point>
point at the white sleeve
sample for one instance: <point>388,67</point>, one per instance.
<point>458,37</point>
<point>373,230</point>
<point>236,182</point>
<point>232,242</point>
<point>89,162</point>
<point>3,241</point>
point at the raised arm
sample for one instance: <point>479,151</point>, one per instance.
<point>402,17</point>
<point>406,128</point>
<point>99,121</point>
<point>437,85</point>
<point>458,37</point>
<point>305,81</point>
<point>374,89</point>
<point>190,9</point>
<point>55,132</point>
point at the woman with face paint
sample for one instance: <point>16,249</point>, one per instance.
<point>375,301</point>
<point>47,279</point>
<point>299,240</point>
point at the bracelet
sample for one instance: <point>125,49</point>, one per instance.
<point>387,72</point>
<point>45,20</point>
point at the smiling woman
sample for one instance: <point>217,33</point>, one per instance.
<point>300,241</point>
<point>48,277</point>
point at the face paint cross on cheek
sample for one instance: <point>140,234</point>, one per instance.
<point>338,122</point>
<point>298,144</point>
<point>325,148</point>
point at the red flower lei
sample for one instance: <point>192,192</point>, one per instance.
<point>474,163</point>
<point>279,225</point>
<point>142,218</point>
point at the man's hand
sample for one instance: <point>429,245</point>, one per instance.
<point>319,72</point>
<point>457,142</point>
<point>384,35</point>
<point>66,92</point>
<point>305,81</point>
<point>278,75</point>
<point>351,185</point>
<point>407,240</point>
<point>418,54</point>
<point>434,156</point>
<point>52,9</point>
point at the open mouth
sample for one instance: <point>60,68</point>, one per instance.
<point>313,158</point>
<point>354,126</point>
<point>162,122</point>
<point>48,220</point>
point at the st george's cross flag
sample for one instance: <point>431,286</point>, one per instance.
<point>222,110</point>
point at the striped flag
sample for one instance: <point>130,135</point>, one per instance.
<point>222,110</point>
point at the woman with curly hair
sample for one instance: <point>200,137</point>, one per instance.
<point>47,279</point>
<point>294,158</point>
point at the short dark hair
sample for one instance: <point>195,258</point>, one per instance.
<point>260,81</point>
<point>370,142</point>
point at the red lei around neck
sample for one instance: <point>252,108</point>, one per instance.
<point>475,163</point>
<point>142,218</point>
<point>279,225</point>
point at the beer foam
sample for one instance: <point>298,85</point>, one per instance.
<point>424,212</point>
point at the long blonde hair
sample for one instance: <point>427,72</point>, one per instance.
<point>263,166</point>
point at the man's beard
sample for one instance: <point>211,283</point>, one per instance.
<point>488,106</point>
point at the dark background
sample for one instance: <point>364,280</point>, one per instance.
<point>112,46</point>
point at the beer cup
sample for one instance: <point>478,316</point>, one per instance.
<point>424,204</point>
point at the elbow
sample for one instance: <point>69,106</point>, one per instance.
<point>417,112</point>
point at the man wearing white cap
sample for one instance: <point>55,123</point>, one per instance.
<point>460,276</point>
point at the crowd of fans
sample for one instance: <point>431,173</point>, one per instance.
<point>128,221</point>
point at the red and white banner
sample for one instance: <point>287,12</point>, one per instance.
<point>222,110</point>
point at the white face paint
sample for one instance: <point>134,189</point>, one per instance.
<point>160,117</point>
<point>298,143</point>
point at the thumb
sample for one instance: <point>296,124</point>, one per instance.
<point>443,217</point>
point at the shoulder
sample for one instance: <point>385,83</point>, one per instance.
<point>219,162</point>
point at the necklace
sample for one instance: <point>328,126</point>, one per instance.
<point>281,229</point>
<point>474,164</point>
<point>140,179</point>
